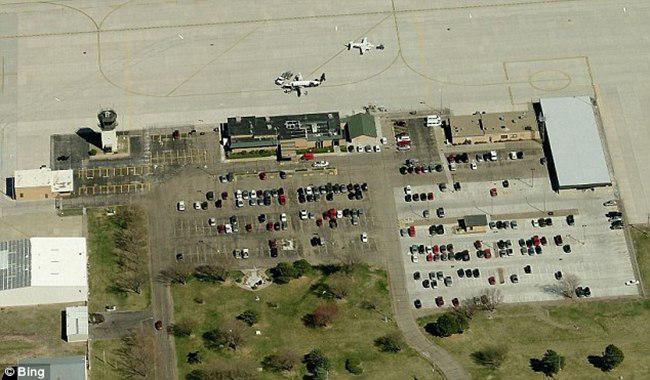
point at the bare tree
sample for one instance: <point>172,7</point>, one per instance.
<point>135,355</point>
<point>341,284</point>
<point>178,274</point>
<point>568,285</point>
<point>490,298</point>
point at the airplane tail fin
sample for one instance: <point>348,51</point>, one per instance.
<point>349,45</point>
<point>322,77</point>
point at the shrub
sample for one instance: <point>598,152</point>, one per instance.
<point>249,317</point>
<point>210,273</point>
<point>448,324</point>
<point>284,361</point>
<point>353,365</point>
<point>283,273</point>
<point>182,328</point>
<point>315,360</point>
<point>611,358</point>
<point>302,267</point>
<point>227,336</point>
<point>322,316</point>
<point>550,363</point>
<point>322,290</point>
<point>491,357</point>
<point>389,343</point>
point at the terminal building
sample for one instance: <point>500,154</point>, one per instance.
<point>317,131</point>
<point>572,143</point>
<point>484,127</point>
<point>44,183</point>
<point>43,271</point>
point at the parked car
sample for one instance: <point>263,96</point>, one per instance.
<point>440,302</point>
<point>417,304</point>
<point>180,206</point>
<point>514,279</point>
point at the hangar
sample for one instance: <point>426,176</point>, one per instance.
<point>573,143</point>
<point>43,271</point>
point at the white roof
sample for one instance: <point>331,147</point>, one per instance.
<point>59,262</point>
<point>60,181</point>
<point>575,142</point>
<point>76,320</point>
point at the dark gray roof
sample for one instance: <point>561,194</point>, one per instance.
<point>576,146</point>
<point>62,368</point>
<point>475,220</point>
<point>315,126</point>
<point>15,264</point>
<point>253,142</point>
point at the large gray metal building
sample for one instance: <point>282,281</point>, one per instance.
<point>577,157</point>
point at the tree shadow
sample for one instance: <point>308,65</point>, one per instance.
<point>90,136</point>
<point>538,366</point>
<point>596,361</point>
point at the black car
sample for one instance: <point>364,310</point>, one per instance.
<point>329,197</point>
<point>549,221</point>
<point>416,197</point>
<point>416,275</point>
<point>476,273</point>
<point>209,196</point>
<point>218,203</point>
<point>614,214</point>
<point>440,229</point>
<point>468,273</point>
<point>438,168</point>
<point>261,218</point>
<point>543,240</point>
<point>542,222</point>
<point>364,186</point>
<point>426,283</point>
<point>558,275</point>
<point>301,199</point>
<point>558,240</point>
<point>461,273</point>
<point>528,269</point>
<point>457,186</point>
<point>403,170</point>
<point>570,220</point>
<point>522,242</point>
<point>204,205</point>
<point>514,279</point>
<point>283,174</point>
<point>418,304</point>
<point>274,252</point>
<point>407,198</point>
<point>505,183</point>
<point>538,249</point>
<point>566,248</point>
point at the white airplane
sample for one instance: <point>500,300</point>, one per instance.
<point>298,83</point>
<point>363,46</point>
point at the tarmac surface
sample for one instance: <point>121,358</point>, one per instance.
<point>60,63</point>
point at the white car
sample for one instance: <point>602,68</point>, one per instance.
<point>309,191</point>
<point>228,227</point>
<point>493,155</point>
<point>244,253</point>
<point>632,282</point>
<point>473,166</point>
<point>197,205</point>
<point>238,194</point>
<point>535,223</point>
<point>452,167</point>
<point>414,258</point>
<point>303,214</point>
<point>434,121</point>
<point>239,203</point>
<point>512,155</point>
<point>377,149</point>
<point>383,141</point>
<point>339,214</point>
<point>368,149</point>
<point>359,149</point>
<point>212,222</point>
<point>321,164</point>
<point>283,217</point>
<point>407,190</point>
<point>364,237</point>
<point>180,206</point>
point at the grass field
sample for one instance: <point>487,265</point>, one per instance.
<point>103,267</point>
<point>352,333</point>
<point>641,237</point>
<point>33,331</point>
<point>575,329</point>
<point>102,357</point>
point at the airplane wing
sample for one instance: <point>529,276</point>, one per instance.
<point>299,76</point>
<point>298,91</point>
<point>364,40</point>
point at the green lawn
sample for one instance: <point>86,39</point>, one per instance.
<point>575,330</point>
<point>641,238</point>
<point>352,333</point>
<point>103,266</point>
<point>102,359</point>
<point>33,331</point>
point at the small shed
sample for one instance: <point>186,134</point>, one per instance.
<point>474,223</point>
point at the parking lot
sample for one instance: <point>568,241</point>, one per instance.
<point>598,255</point>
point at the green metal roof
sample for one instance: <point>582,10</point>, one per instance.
<point>361,124</point>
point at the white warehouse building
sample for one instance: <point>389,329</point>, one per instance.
<point>43,271</point>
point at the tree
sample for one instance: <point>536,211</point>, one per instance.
<point>230,335</point>
<point>315,361</point>
<point>490,298</point>
<point>182,328</point>
<point>283,273</point>
<point>448,324</point>
<point>491,356</point>
<point>340,284</point>
<point>353,365</point>
<point>302,267</point>
<point>223,370</point>
<point>550,363</point>
<point>322,290</point>
<point>249,317</point>
<point>322,316</point>
<point>283,361</point>
<point>175,275</point>
<point>568,285</point>
<point>193,357</point>
<point>135,355</point>
<point>210,273</point>
<point>611,358</point>
<point>389,343</point>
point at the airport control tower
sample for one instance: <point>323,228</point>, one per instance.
<point>107,123</point>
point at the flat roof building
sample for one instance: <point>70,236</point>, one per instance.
<point>493,127</point>
<point>43,271</point>
<point>59,368</point>
<point>474,223</point>
<point>306,131</point>
<point>573,140</point>
<point>76,323</point>
<point>44,183</point>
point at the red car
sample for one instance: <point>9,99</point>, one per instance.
<point>262,176</point>
<point>492,281</point>
<point>411,231</point>
<point>430,257</point>
<point>319,222</point>
<point>282,199</point>
<point>332,213</point>
<point>493,192</point>
<point>436,249</point>
<point>269,226</point>
<point>430,196</point>
<point>440,301</point>
<point>536,241</point>
<point>487,253</point>
<point>221,228</point>
<point>249,227</point>
<point>308,156</point>
<point>158,325</point>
